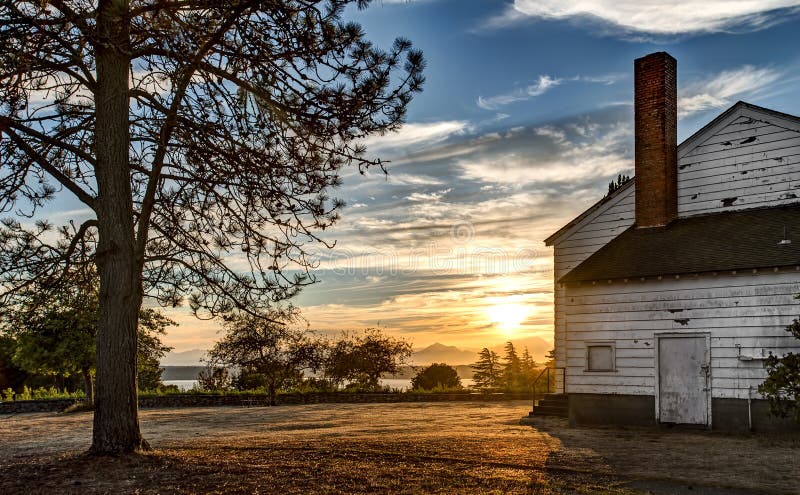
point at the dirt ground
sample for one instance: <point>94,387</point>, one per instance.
<point>471,448</point>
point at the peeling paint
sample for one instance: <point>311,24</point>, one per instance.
<point>748,140</point>
<point>729,201</point>
<point>686,165</point>
<point>683,321</point>
<point>675,310</point>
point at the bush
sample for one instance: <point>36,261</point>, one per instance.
<point>41,393</point>
<point>437,375</point>
<point>782,385</point>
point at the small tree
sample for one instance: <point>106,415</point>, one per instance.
<point>275,348</point>
<point>150,349</point>
<point>782,385</point>
<point>55,330</point>
<point>437,375</point>
<point>361,359</point>
<point>213,378</point>
<point>488,371</point>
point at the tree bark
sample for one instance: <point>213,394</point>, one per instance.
<point>116,420</point>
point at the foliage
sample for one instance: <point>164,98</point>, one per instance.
<point>150,349</point>
<point>437,375</point>
<point>54,330</point>
<point>201,137</point>
<point>41,393</point>
<point>214,378</point>
<point>488,372</point>
<point>782,385</point>
<point>360,359</point>
<point>275,348</point>
<point>621,181</point>
<point>11,375</point>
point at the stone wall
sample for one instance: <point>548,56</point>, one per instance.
<point>194,400</point>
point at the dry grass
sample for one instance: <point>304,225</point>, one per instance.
<point>386,448</point>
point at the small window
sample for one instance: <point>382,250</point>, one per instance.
<point>600,357</point>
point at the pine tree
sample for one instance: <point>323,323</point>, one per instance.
<point>512,368</point>
<point>528,367</point>
<point>488,374</point>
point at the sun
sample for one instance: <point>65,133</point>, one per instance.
<point>507,316</point>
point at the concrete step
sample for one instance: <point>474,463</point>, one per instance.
<point>550,411</point>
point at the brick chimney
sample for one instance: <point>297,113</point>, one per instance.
<point>656,122</point>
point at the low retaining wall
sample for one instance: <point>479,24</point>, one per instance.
<point>34,406</point>
<point>194,400</point>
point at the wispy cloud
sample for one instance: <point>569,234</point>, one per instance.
<point>588,152</point>
<point>720,89</point>
<point>542,85</point>
<point>655,16</point>
<point>416,135</point>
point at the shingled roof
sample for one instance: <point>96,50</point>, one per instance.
<point>734,240</point>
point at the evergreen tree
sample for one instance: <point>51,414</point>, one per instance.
<point>528,367</point>
<point>488,373</point>
<point>512,369</point>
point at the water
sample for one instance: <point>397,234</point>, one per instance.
<point>398,383</point>
<point>182,384</point>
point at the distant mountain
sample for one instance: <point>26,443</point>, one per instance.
<point>440,353</point>
<point>185,358</point>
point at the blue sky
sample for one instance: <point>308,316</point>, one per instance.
<point>525,117</point>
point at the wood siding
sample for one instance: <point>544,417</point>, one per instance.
<point>751,310</point>
<point>580,242</point>
<point>749,163</point>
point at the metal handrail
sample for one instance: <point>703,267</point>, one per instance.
<point>545,371</point>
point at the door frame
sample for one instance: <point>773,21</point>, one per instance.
<point>658,337</point>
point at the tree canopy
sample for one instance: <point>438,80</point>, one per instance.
<point>360,359</point>
<point>203,138</point>
<point>437,375</point>
<point>278,348</point>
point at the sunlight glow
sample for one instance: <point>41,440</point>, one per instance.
<point>507,316</point>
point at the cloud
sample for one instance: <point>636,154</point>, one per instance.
<point>655,16</point>
<point>416,136</point>
<point>540,87</point>
<point>432,197</point>
<point>720,89</point>
<point>568,154</point>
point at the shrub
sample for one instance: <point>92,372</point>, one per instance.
<point>782,385</point>
<point>437,375</point>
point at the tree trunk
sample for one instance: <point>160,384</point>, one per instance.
<point>88,386</point>
<point>116,420</point>
<point>272,393</point>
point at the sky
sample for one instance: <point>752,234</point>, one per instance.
<point>525,117</point>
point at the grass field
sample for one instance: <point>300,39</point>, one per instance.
<point>474,448</point>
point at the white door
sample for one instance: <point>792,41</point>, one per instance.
<point>683,380</point>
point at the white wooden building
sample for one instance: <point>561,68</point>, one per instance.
<point>670,291</point>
